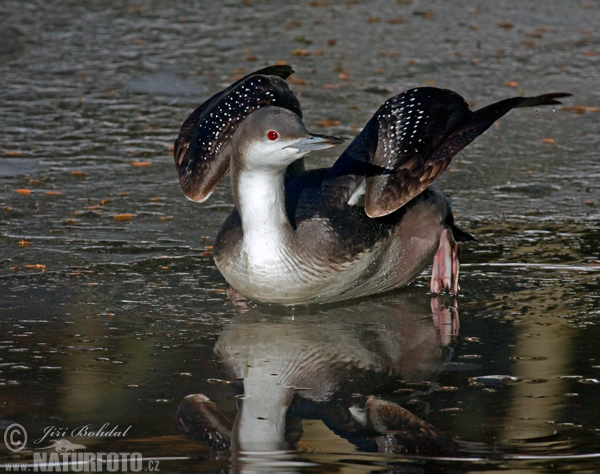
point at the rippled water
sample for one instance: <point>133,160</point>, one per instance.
<point>116,320</point>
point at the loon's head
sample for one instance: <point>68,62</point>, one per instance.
<point>274,137</point>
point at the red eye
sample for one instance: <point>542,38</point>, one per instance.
<point>273,135</point>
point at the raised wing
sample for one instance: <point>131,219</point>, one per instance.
<point>418,133</point>
<point>200,153</point>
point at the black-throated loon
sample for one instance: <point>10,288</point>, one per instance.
<point>368,224</point>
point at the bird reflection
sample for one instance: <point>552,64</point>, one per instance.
<point>343,366</point>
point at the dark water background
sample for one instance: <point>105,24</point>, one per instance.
<point>108,320</point>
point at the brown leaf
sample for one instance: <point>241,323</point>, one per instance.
<point>300,52</point>
<point>23,243</point>
<point>548,140</point>
<point>511,84</point>
<point>140,163</point>
<point>505,24</point>
<point>296,80</point>
<point>12,153</point>
<point>328,123</point>
<point>79,174</point>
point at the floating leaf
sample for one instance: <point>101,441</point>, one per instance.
<point>300,52</point>
<point>328,123</point>
<point>140,163</point>
<point>511,84</point>
<point>13,152</point>
<point>79,174</point>
<point>37,266</point>
<point>23,243</point>
<point>505,24</point>
<point>123,217</point>
<point>548,140</point>
<point>581,109</point>
<point>24,192</point>
<point>52,193</point>
<point>296,80</point>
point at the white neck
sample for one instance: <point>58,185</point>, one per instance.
<point>260,199</point>
<point>260,423</point>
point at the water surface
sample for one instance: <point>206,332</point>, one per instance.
<point>116,320</point>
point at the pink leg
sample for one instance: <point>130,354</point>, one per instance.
<point>445,319</point>
<point>238,299</point>
<point>444,274</point>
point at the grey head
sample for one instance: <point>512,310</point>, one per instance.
<point>273,138</point>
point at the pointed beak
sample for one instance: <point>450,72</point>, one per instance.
<point>315,142</point>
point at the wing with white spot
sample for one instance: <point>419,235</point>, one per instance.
<point>418,134</point>
<point>200,152</point>
<point>411,127</point>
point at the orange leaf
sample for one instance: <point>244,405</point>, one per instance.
<point>24,192</point>
<point>300,52</point>
<point>13,152</point>
<point>581,109</point>
<point>52,193</point>
<point>79,174</point>
<point>23,243</point>
<point>511,84</point>
<point>140,163</point>
<point>36,267</point>
<point>123,217</point>
<point>548,140</point>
